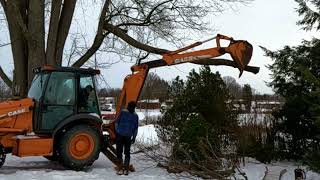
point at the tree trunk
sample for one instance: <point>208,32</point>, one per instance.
<point>36,43</point>
<point>64,26</point>
<point>19,50</point>
<point>53,32</point>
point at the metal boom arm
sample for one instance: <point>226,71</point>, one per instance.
<point>240,51</point>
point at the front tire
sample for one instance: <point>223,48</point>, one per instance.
<point>79,147</point>
<point>51,158</point>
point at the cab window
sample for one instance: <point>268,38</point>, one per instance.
<point>87,95</point>
<point>60,89</point>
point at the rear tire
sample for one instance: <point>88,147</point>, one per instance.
<point>79,147</point>
<point>51,158</point>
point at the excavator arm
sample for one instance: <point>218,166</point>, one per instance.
<point>240,51</point>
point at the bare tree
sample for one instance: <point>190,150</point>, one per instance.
<point>154,88</point>
<point>232,86</point>
<point>39,29</point>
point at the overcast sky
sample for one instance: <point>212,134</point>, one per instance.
<point>269,23</point>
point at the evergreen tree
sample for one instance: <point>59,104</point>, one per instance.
<point>200,111</point>
<point>295,76</point>
<point>311,18</point>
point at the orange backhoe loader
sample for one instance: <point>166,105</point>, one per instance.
<point>61,120</point>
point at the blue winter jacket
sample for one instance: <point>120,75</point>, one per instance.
<point>127,124</point>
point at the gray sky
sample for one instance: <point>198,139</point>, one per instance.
<point>269,23</point>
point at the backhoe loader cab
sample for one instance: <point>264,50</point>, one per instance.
<point>62,93</point>
<point>60,118</point>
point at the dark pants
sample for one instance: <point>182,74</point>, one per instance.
<point>123,142</point>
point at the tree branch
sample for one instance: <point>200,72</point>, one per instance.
<point>5,78</point>
<point>147,21</point>
<point>64,26</point>
<point>128,39</point>
<point>12,6</point>
<point>3,4</point>
<point>18,47</point>
<point>225,62</point>
<point>98,38</point>
<point>310,18</point>
<point>208,61</point>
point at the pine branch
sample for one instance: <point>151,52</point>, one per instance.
<point>311,18</point>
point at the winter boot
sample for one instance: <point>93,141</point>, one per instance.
<point>119,171</point>
<point>126,171</point>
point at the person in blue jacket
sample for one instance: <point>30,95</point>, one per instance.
<point>126,133</point>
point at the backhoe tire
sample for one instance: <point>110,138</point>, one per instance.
<point>79,147</point>
<point>54,156</point>
<point>51,158</point>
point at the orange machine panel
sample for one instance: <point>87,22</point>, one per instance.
<point>17,114</point>
<point>32,146</point>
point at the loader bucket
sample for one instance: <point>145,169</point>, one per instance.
<point>241,52</point>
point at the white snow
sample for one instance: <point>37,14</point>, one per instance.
<point>39,168</point>
<point>256,170</point>
<point>150,100</point>
<point>147,134</point>
<point>150,113</point>
<point>35,168</point>
<point>142,113</point>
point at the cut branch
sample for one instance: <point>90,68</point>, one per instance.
<point>128,39</point>
<point>5,78</point>
<point>208,61</point>
<point>225,62</point>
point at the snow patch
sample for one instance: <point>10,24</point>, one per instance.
<point>147,134</point>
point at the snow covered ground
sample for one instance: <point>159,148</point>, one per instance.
<point>38,168</point>
<point>142,113</point>
<point>147,134</point>
<point>256,170</point>
<point>150,113</point>
<point>35,168</point>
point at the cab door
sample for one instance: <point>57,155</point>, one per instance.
<point>59,100</point>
